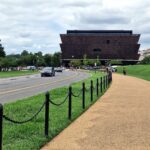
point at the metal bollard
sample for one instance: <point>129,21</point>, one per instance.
<point>83,95</point>
<point>47,96</point>
<point>70,103</point>
<point>91,90</point>
<point>1,126</point>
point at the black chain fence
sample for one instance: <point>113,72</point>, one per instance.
<point>101,85</point>
<point>77,95</point>
<point>59,104</point>
<point>27,120</point>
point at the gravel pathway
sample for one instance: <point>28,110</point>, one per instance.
<point>120,120</point>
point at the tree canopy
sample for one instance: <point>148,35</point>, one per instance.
<point>2,52</point>
<point>27,58</point>
<point>146,60</point>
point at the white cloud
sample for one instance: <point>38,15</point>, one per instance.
<point>36,24</point>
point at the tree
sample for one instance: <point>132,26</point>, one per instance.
<point>24,53</point>
<point>98,63</point>
<point>48,59</point>
<point>1,63</point>
<point>75,63</point>
<point>85,60</point>
<point>27,60</point>
<point>39,54</point>
<point>116,62</point>
<point>6,63</point>
<point>56,59</point>
<point>146,60</point>
<point>2,52</point>
<point>91,62</point>
<point>40,62</point>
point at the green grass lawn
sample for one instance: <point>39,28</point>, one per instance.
<point>140,71</point>
<point>30,136</point>
<point>7,74</point>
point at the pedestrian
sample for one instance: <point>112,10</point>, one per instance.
<point>124,71</point>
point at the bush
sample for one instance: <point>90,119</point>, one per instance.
<point>116,62</point>
<point>75,63</point>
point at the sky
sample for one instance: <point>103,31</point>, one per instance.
<point>35,25</point>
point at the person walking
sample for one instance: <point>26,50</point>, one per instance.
<point>124,71</point>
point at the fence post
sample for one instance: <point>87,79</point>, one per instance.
<point>83,95</point>
<point>70,103</point>
<point>91,90</point>
<point>101,85</point>
<point>47,95</point>
<point>107,81</point>
<point>1,126</point>
<point>104,82</point>
<point>97,87</point>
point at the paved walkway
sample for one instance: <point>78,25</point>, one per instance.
<point>120,120</point>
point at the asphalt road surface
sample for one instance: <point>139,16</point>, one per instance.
<point>12,89</point>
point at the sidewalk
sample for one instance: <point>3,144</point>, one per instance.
<point>120,120</point>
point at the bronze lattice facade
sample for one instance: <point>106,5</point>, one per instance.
<point>104,44</point>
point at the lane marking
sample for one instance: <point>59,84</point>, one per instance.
<point>49,83</point>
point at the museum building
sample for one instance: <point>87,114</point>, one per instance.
<point>106,45</point>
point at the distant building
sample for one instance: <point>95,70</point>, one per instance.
<point>144,54</point>
<point>106,45</point>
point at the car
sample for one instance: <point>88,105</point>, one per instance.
<point>88,68</point>
<point>114,68</point>
<point>31,68</point>
<point>59,69</point>
<point>48,71</point>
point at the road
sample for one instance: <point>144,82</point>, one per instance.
<point>12,89</point>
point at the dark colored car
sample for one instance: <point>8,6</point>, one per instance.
<point>48,71</point>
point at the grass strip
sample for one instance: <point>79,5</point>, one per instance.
<point>30,136</point>
<point>7,74</point>
<point>140,71</point>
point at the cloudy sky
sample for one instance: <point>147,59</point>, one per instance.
<point>35,25</point>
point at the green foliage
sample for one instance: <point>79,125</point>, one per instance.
<point>98,62</point>
<point>75,63</point>
<point>2,52</point>
<point>56,59</point>
<point>48,59</point>
<point>30,59</point>
<point>6,74</point>
<point>91,62</point>
<point>24,53</point>
<point>115,62</point>
<point>30,136</point>
<point>146,60</point>
<point>85,60</point>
